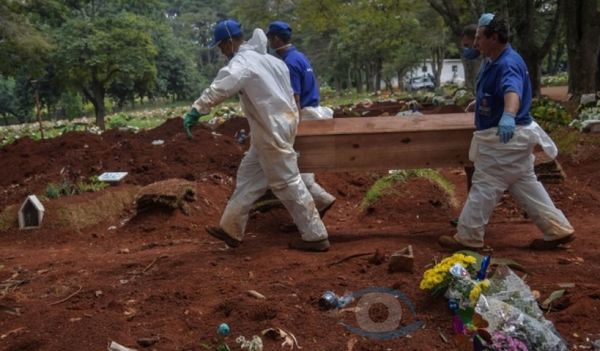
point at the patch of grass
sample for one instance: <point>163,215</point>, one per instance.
<point>92,184</point>
<point>566,139</point>
<point>67,188</point>
<point>382,186</point>
<point>8,217</point>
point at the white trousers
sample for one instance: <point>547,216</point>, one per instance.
<point>500,167</point>
<point>321,197</point>
<point>278,171</point>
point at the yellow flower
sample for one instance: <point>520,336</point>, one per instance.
<point>477,289</point>
<point>436,275</point>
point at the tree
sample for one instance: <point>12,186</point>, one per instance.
<point>457,15</point>
<point>20,41</point>
<point>535,24</point>
<point>7,98</point>
<point>100,48</point>
<point>583,45</point>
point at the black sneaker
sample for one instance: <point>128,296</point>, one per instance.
<point>316,246</point>
<point>222,235</point>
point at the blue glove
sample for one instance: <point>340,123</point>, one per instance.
<point>506,127</point>
<point>190,119</point>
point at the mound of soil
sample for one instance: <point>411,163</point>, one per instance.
<point>415,201</point>
<point>27,166</point>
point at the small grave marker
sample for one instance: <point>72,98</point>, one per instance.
<point>31,213</point>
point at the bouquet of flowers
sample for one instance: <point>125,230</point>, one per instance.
<point>438,278</point>
<point>499,313</point>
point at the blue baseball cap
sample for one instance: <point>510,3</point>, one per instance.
<point>280,29</point>
<point>225,29</point>
<point>485,19</point>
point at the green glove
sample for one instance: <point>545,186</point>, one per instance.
<point>190,119</point>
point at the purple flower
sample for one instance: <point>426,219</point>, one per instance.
<point>503,342</point>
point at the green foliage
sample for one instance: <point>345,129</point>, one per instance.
<point>549,114</point>
<point>54,191</point>
<point>92,184</point>
<point>384,184</point>
<point>70,105</point>
<point>559,79</point>
<point>68,188</point>
<point>119,120</point>
<point>566,140</point>
<point>7,96</point>
<point>98,51</point>
<point>21,43</point>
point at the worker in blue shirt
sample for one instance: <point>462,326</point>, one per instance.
<point>302,76</point>
<point>502,147</point>
<point>306,93</point>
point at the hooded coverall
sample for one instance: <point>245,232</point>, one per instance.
<point>266,98</point>
<point>500,166</point>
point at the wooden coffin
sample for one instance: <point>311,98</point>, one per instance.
<point>383,143</point>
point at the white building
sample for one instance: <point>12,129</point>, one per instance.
<point>453,71</point>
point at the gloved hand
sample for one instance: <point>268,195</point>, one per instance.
<point>506,127</point>
<point>190,119</point>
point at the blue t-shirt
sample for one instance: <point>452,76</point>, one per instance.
<point>302,77</point>
<point>507,73</point>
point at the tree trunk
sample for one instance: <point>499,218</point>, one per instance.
<point>549,61</point>
<point>359,83</point>
<point>338,85</point>
<point>534,66</point>
<point>368,78</point>
<point>378,78</point>
<point>560,49</point>
<point>471,71</point>
<point>98,102</point>
<point>437,64</point>
<point>598,73</point>
<point>583,45</point>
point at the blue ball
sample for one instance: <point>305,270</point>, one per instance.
<point>223,329</point>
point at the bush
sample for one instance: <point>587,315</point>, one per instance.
<point>549,114</point>
<point>67,188</point>
<point>119,120</point>
<point>92,184</point>
<point>70,105</point>
<point>555,80</point>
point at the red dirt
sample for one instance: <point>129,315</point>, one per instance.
<point>159,274</point>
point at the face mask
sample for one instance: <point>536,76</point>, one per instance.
<point>274,51</point>
<point>471,54</point>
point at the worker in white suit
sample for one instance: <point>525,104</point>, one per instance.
<point>267,100</point>
<point>502,147</point>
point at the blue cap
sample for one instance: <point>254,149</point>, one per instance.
<point>485,19</point>
<point>280,29</point>
<point>225,29</point>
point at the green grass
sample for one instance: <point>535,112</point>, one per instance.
<point>67,188</point>
<point>383,185</point>
<point>566,139</point>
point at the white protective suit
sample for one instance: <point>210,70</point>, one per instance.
<point>267,99</point>
<point>509,166</point>
<point>322,198</point>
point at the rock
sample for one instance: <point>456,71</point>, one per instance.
<point>402,261</point>
<point>168,194</point>
<point>146,342</point>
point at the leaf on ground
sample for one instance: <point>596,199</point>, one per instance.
<point>557,294</point>
<point>507,262</point>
